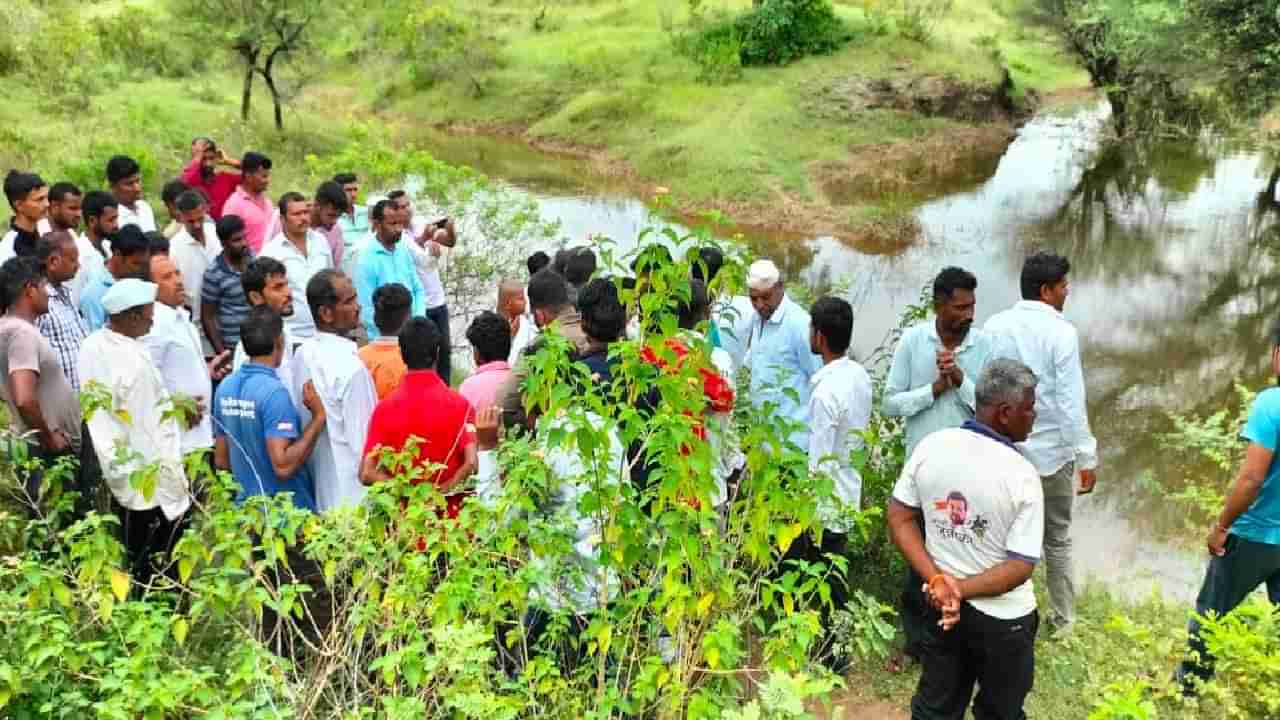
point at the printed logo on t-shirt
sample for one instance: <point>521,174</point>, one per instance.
<point>235,407</point>
<point>954,520</point>
<point>285,426</point>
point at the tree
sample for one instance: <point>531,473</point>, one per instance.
<point>265,34</point>
<point>1241,39</point>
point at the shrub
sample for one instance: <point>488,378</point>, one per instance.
<point>441,45</point>
<point>918,20</point>
<point>777,32</point>
<point>143,41</point>
<point>716,50</point>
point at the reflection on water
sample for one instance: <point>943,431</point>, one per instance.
<point>1173,289</point>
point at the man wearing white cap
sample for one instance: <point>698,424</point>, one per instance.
<point>133,435</point>
<point>772,338</point>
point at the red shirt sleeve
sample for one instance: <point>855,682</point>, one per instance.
<point>191,174</point>
<point>377,434</point>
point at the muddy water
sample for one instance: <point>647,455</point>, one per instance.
<point>1173,287</point>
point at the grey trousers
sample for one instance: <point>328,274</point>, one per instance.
<point>1059,499</point>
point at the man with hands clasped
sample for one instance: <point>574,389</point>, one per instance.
<point>982,507</point>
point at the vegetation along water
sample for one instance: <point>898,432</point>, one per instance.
<point>881,141</point>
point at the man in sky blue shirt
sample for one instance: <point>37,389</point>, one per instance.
<point>1244,542</point>
<point>130,258</point>
<point>257,429</point>
<point>386,260</point>
<point>932,384</point>
<point>774,338</point>
<point>931,380</point>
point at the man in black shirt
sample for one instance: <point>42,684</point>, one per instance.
<point>29,197</point>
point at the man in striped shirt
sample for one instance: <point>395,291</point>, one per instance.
<point>223,305</point>
<point>62,326</point>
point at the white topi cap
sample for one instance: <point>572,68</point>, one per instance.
<point>128,293</point>
<point>763,275</point>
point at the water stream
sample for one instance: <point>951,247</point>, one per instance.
<point>1173,290</point>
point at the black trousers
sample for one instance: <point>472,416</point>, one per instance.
<point>914,608</point>
<point>1227,582</point>
<point>86,477</point>
<point>998,655</point>
<point>148,538</point>
<point>444,363</point>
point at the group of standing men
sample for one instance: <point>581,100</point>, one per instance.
<point>97,299</point>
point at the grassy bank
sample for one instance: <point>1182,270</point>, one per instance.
<point>604,77</point>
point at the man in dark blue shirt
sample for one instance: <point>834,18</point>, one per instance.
<point>258,431</point>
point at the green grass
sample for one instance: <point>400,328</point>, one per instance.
<point>606,75</point>
<point>1116,643</point>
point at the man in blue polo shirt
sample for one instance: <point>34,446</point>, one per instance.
<point>258,431</point>
<point>1244,542</point>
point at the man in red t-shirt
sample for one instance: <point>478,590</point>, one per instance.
<point>425,408</point>
<point>201,173</point>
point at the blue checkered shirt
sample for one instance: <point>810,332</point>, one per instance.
<point>63,327</point>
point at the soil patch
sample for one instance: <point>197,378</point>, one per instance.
<point>943,162</point>
<point>927,95</point>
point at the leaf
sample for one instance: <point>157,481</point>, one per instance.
<point>704,603</point>
<point>180,630</point>
<point>185,566</point>
<point>788,534</point>
<point>788,603</point>
<point>120,584</point>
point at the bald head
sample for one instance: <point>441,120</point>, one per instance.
<point>511,302</point>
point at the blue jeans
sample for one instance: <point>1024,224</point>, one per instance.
<point>444,363</point>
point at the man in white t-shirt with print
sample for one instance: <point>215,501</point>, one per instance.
<point>983,511</point>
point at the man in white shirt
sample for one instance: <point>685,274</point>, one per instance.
<point>28,197</point>
<point>427,239</point>
<point>304,253</point>
<point>175,349</point>
<point>266,282</point>
<point>513,307</point>
<point>134,434</point>
<point>330,362</point>
<point>124,175</point>
<point>192,249</point>
<point>101,223</point>
<point>1035,332</point>
<point>983,510</point>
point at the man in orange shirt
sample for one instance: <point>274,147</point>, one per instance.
<point>424,407</point>
<point>391,307</point>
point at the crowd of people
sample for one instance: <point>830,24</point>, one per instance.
<point>290,342</point>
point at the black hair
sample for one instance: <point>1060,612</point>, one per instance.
<point>345,178</point>
<point>396,195</point>
<point>580,266</point>
<point>130,241</point>
<point>950,280</point>
<point>650,258</point>
<point>286,199</point>
<point>322,292</point>
<point>208,141</point>
<point>420,343</point>
<point>707,263</point>
<point>252,162</point>
<point>51,244</point>
<point>490,335</point>
<point>260,330</point>
<point>391,306</point>
<point>190,200</point>
<point>603,316</point>
<point>15,275</point>
<point>173,190</point>
<point>121,167</point>
<point>156,242</point>
<point>63,190</point>
<point>561,259</point>
<point>95,202</point>
<point>229,225</point>
<point>692,310</point>
<point>832,317</point>
<point>18,185</point>
<point>379,210</point>
<point>254,277</point>
<point>331,193</point>
<point>548,291</point>
<point>1042,268</point>
<point>536,262</point>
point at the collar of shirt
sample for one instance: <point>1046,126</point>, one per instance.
<point>832,368</point>
<point>184,236</point>
<point>495,366</point>
<point>259,199</point>
<point>987,431</point>
<point>316,245</point>
<point>779,313</point>
<point>965,344</point>
<point>422,379</point>
<point>253,368</point>
<point>1038,306</point>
